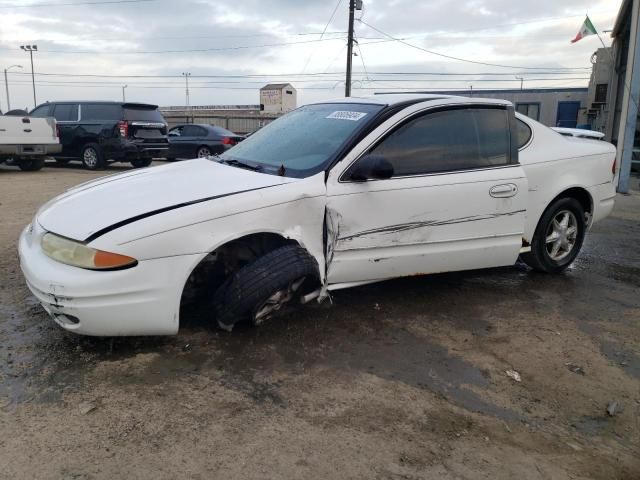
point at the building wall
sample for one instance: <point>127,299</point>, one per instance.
<point>272,100</point>
<point>289,100</point>
<point>547,100</point>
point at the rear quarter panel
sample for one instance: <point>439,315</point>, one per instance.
<point>554,163</point>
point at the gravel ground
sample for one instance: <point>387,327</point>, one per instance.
<point>403,379</point>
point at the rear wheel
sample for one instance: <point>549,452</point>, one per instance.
<point>141,162</point>
<point>558,237</point>
<point>261,289</point>
<point>203,152</point>
<point>31,164</point>
<point>92,157</point>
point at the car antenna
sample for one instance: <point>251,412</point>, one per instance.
<point>281,170</point>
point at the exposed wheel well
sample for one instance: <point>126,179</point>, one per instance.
<point>213,269</point>
<point>580,194</point>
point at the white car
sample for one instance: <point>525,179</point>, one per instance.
<point>329,196</point>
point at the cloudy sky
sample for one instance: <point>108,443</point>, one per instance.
<point>89,49</point>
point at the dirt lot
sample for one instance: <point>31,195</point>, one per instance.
<point>402,379</point>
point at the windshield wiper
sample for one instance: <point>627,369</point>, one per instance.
<point>237,163</point>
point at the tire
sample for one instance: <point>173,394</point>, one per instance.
<point>92,157</point>
<point>62,161</point>
<point>250,292</point>
<point>203,152</point>
<point>31,164</point>
<point>568,238</point>
<point>141,162</point>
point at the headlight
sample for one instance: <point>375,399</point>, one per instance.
<point>79,255</point>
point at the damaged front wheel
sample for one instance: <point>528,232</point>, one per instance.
<point>261,289</point>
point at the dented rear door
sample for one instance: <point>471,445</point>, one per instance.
<point>430,217</point>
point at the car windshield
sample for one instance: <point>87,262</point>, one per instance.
<point>304,141</point>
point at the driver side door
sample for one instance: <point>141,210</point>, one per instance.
<point>456,199</point>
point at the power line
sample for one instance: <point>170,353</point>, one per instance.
<point>333,14</point>
<point>221,49</point>
<point>458,58</point>
<point>304,75</point>
<point>73,4</point>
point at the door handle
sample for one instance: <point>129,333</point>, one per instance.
<point>504,191</point>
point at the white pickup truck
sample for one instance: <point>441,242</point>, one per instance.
<point>26,141</point>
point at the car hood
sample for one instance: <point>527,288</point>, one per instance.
<point>83,212</point>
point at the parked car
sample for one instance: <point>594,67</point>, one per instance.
<point>27,141</point>
<point>97,133</point>
<point>329,196</point>
<point>199,140</point>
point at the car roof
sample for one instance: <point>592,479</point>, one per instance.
<point>100,102</point>
<point>389,99</point>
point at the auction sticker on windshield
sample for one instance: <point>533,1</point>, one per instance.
<point>345,115</point>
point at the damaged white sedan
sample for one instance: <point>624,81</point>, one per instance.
<point>331,195</point>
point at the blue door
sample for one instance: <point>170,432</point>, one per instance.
<point>567,114</point>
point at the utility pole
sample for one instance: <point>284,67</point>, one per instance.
<point>31,49</point>
<point>6,84</point>
<point>347,85</point>
<point>123,87</point>
<point>521,82</point>
<point>186,91</point>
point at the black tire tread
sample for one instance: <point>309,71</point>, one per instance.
<point>537,258</point>
<point>98,150</point>
<point>31,164</point>
<point>248,287</point>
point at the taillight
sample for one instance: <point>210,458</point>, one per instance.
<point>124,128</point>
<point>57,130</point>
<point>228,141</point>
<point>613,166</point>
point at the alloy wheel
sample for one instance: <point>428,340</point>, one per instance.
<point>562,235</point>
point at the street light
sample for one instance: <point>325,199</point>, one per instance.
<point>6,84</point>
<point>31,49</point>
<point>186,76</point>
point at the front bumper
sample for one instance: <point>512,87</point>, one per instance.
<point>143,300</point>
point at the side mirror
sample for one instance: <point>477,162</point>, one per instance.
<point>371,167</point>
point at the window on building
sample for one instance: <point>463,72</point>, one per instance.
<point>531,110</point>
<point>601,93</point>
<point>289,92</point>
<point>448,140</point>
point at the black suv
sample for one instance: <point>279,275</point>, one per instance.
<point>101,132</point>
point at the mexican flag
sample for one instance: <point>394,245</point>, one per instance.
<point>586,30</point>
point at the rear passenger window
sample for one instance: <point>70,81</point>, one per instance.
<point>449,140</point>
<point>524,133</point>
<point>41,112</point>
<point>66,112</point>
<point>98,111</point>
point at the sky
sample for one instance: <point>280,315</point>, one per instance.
<point>90,49</point>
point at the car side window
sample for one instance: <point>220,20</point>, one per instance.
<point>448,140</point>
<point>97,111</point>
<point>524,133</point>
<point>41,112</point>
<point>191,131</point>
<point>66,112</point>
<point>176,132</point>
